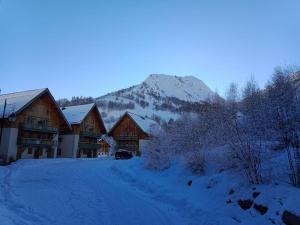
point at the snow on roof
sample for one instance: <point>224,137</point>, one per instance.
<point>143,122</point>
<point>17,101</point>
<point>76,114</point>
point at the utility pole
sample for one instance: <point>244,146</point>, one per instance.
<point>2,121</point>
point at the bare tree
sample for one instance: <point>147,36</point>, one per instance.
<point>241,132</point>
<point>284,117</point>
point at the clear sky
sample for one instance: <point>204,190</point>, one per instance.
<point>91,47</point>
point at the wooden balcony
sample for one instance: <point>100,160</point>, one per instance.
<point>35,142</point>
<point>128,138</point>
<point>88,145</point>
<point>39,128</point>
<point>90,134</point>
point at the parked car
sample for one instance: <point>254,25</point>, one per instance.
<point>123,154</point>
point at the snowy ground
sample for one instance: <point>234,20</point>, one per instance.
<point>105,191</point>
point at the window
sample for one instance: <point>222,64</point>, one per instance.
<point>29,121</point>
<point>43,123</point>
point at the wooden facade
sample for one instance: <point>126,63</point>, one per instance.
<point>104,150</point>
<point>39,124</point>
<point>90,130</point>
<point>127,134</point>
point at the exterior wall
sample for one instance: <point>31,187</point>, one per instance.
<point>38,151</point>
<point>39,125</point>
<point>29,153</point>
<point>8,147</point>
<point>128,127</point>
<point>128,135</point>
<point>34,134</point>
<point>104,150</point>
<point>92,122</point>
<point>43,108</point>
<point>88,144</point>
<point>69,145</point>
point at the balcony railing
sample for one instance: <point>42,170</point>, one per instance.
<point>127,137</point>
<point>39,128</point>
<point>36,142</point>
<point>88,145</point>
<point>90,134</point>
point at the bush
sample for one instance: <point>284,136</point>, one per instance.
<point>195,162</point>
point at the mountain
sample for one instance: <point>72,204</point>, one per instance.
<point>184,88</point>
<point>160,97</point>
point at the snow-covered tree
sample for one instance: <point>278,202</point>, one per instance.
<point>241,130</point>
<point>157,155</point>
<point>283,113</point>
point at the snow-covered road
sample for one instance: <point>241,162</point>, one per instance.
<point>110,192</point>
<point>78,192</point>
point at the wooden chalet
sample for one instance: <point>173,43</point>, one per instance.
<point>131,132</point>
<point>105,146</point>
<point>31,122</point>
<point>87,129</point>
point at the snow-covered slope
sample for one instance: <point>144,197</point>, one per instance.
<point>187,88</point>
<point>159,96</point>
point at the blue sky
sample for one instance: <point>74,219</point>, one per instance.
<point>91,47</point>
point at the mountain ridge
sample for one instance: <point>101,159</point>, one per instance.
<point>159,96</point>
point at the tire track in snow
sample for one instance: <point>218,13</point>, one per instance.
<point>13,202</point>
<point>123,205</point>
<point>194,216</point>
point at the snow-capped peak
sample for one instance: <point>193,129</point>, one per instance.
<point>158,97</point>
<point>188,88</point>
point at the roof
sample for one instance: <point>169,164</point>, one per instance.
<point>18,101</point>
<point>104,141</point>
<point>144,123</point>
<point>76,114</point>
